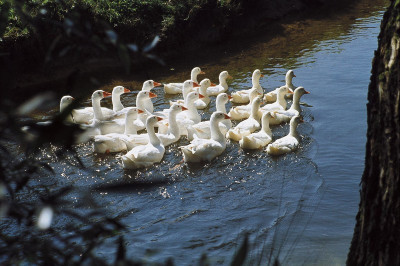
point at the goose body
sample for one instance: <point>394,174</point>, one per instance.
<point>243,95</point>
<point>85,115</point>
<point>116,142</point>
<point>272,95</point>
<point>207,149</point>
<point>243,111</point>
<point>221,87</point>
<point>145,155</point>
<point>294,110</point>
<point>261,138</point>
<point>279,105</point>
<point>175,88</point>
<point>288,143</point>
<point>203,102</point>
<point>203,129</point>
<point>248,126</point>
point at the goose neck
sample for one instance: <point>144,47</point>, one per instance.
<point>97,113</point>
<point>129,126</point>
<point>216,133</point>
<point>173,125</point>
<point>296,102</point>
<point>116,102</point>
<point>153,139</point>
<point>265,126</point>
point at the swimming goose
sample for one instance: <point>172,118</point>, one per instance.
<point>243,111</point>
<point>279,105</point>
<point>243,95</point>
<point>147,86</point>
<point>188,86</point>
<point>271,96</point>
<point>221,87</point>
<point>203,129</point>
<point>248,126</point>
<point>207,149</point>
<point>288,143</point>
<point>294,110</point>
<point>116,142</point>
<point>145,155</point>
<point>142,98</point>
<point>204,101</point>
<point>175,88</point>
<point>261,138</point>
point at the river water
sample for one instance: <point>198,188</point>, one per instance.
<point>299,208</point>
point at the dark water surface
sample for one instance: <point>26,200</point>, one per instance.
<point>300,207</point>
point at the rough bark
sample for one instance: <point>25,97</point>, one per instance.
<point>376,239</point>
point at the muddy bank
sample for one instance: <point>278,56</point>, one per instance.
<point>27,72</point>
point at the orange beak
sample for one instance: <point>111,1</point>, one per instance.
<point>227,116</point>
<point>229,77</point>
<point>230,97</point>
<point>294,75</point>
<point>195,84</point>
<point>201,96</point>
<point>106,94</point>
<point>157,84</point>
<point>213,84</point>
<point>290,92</point>
<point>184,108</point>
<point>126,90</point>
<point>306,92</point>
<point>159,118</point>
<point>140,111</point>
<point>202,72</point>
<point>262,75</point>
<point>152,95</point>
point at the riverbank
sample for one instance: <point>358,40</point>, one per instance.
<point>31,66</point>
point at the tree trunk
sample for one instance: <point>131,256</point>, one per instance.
<point>376,239</point>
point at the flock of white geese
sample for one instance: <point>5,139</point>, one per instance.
<point>116,130</point>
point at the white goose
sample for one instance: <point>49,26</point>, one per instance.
<point>203,129</point>
<point>204,101</point>
<point>294,110</point>
<point>172,135</point>
<point>288,143</point>
<point>207,149</point>
<point>279,105</point>
<point>64,102</point>
<point>271,96</point>
<point>142,98</point>
<point>261,138</point>
<point>116,142</point>
<point>145,155</point>
<point>221,87</point>
<point>116,98</point>
<point>188,86</point>
<point>243,95</point>
<point>85,115</point>
<point>175,88</point>
<point>147,86</point>
<point>243,111</point>
<point>248,126</point>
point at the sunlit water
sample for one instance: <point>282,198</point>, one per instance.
<point>300,207</point>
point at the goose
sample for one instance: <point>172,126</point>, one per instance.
<point>85,115</point>
<point>145,155</point>
<point>147,86</point>
<point>207,149</point>
<point>243,111</point>
<point>175,88</point>
<point>188,86</point>
<point>116,98</point>
<point>243,95</point>
<point>271,96</point>
<point>116,142</point>
<point>142,98</point>
<point>190,116</point>
<point>64,102</point>
<point>288,143</point>
<point>203,130</point>
<point>248,126</point>
<point>294,110</point>
<point>171,136</point>
<point>221,87</point>
<point>261,138</point>
<point>204,101</point>
<point>280,104</point>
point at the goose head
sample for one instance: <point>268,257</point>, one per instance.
<point>289,76</point>
<point>99,94</point>
<point>118,90</point>
<point>257,75</point>
<point>133,112</point>
<point>188,86</point>
<point>192,97</point>
<point>223,98</point>
<point>150,84</point>
<point>177,108</point>
<point>224,75</point>
<point>300,91</point>
<point>195,72</point>
<point>65,101</point>
<point>219,116</point>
